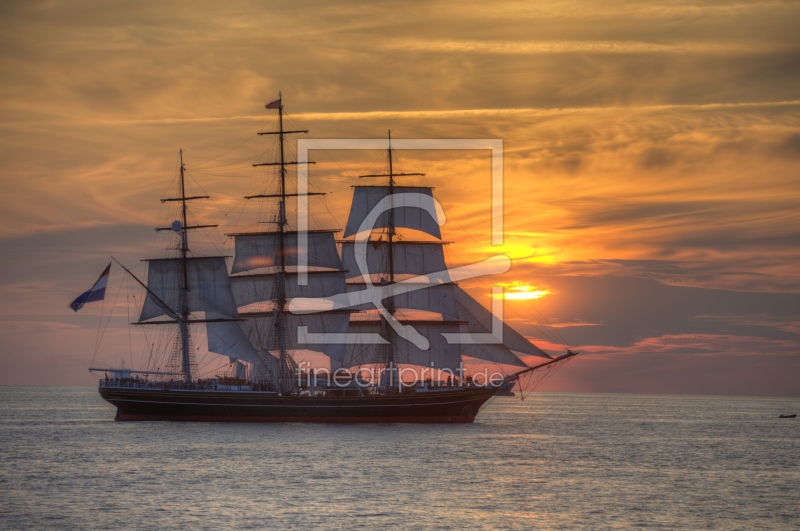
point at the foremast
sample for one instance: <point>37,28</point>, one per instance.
<point>463,326</point>
<point>186,351</point>
<point>387,332</point>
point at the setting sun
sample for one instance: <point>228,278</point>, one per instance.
<point>523,291</point>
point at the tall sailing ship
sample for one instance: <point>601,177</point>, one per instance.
<point>379,305</point>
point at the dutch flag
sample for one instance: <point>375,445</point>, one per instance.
<point>95,293</point>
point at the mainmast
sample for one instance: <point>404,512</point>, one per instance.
<point>186,364</point>
<point>285,380</point>
<point>280,322</point>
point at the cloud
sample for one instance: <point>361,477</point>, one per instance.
<point>626,311</point>
<point>705,344</point>
<point>556,47</point>
<point>679,373</point>
<point>650,149</point>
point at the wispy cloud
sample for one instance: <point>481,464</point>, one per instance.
<point>431,114</point>
<point>599,47</point>
<point>701,344</point>
<point>651,149</point>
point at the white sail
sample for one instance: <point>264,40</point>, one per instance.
<point>365,198</point>
<point>262,249</point>
<point>248,289</point>
<point>258,329</point>
<point>414,258</point>
<point>440,355</point>
<point>240,369</point>
<point>480,322</point>
<point>437,298</point>
<point>228,338</point>
<point>209,287</point>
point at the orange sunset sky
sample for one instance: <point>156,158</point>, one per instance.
<point>651,164</point>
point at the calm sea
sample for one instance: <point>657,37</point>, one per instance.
<point>554,461</point>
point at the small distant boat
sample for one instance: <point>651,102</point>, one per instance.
<point>787,416</point>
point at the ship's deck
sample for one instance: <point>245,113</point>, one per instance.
<point>214,386</point>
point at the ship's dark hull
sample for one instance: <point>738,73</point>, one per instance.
<point>458,405</point>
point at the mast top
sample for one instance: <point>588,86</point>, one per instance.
<point>391,175</point>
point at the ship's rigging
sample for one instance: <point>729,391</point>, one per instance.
<point>425,319</point>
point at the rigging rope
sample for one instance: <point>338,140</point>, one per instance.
<point>110,315</point>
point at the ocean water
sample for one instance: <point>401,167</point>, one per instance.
<point>554,461</point>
